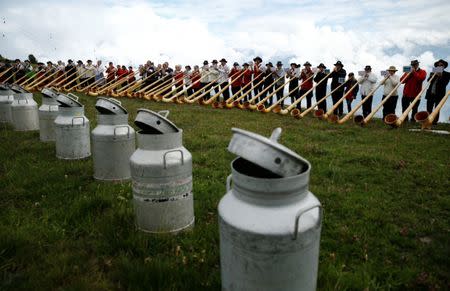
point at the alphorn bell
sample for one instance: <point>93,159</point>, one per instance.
<point>330,116</point>
<point>369,117</point>
<point>285,111</point>
<point>358,119</point>
<point>393,121</point>
<point>425,118</point>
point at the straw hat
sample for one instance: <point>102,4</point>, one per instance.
<point>392,68</point>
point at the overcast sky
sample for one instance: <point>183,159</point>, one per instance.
<point>358,32</point>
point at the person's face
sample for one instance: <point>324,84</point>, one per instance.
<point>308,68</point>
<point>351,76</point>
<point>415,66</point>
<point>391,73</point>
<point>338,67</point>
<point>223,63</point>
<point>279,67</point>
<point>321,69</point>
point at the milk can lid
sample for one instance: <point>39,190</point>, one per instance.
<point>50,93</point>
<point>4,87</point>
<point>154,122</point>
<point>267,153</point>
<point>69,100</point>
<point>109,106</point>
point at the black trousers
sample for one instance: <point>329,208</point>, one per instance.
<point>336,96</point>
<point>308,97</point>
<point>349,104</point>
<point>205,87</point>
<point>293,86</point>
<point>190,91</point>
<point>234,90</point>
<point>269,91</point>
<point>226,93</point>
<point>322,105</point>
<point>367,106</point>
<point>280,93</point>
<point>406,102</point>
<point>258,88</point>
<point>432,101</point>
<point>389,106</point>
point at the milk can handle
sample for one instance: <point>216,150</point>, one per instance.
<point>73,118</point>
<point>164,113</point>
<point>122,126</point>
<point>115,100</point>
<point>18,100</point>
<point>73,95</point>
<point>303,211</point>
<point>229,180</point>
<point>173,151</point>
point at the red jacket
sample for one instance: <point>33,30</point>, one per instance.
<point>308,84</point>
<point>237,82</point>
<point>257,73</point>
<point>131,77</point>
<point>247,77</point>
<point>413,84</point>
<point>179,77</point>
<point>194,78</point>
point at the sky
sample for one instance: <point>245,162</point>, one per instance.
<point>378,33</point>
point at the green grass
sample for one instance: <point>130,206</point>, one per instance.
<point>385,194</point>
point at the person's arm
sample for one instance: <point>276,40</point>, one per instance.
<point>372,78</point>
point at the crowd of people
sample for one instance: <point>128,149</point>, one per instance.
<point>219,78</point>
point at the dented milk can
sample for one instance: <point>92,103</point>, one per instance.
<point>24,110</point>
<point>48,111</point>
<point>161,171</point>
<point>113,141</point>
<point>269,222</point>
<point>71,129</point>
<point>6,99</point>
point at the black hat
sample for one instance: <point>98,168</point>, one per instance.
<point>89,61</point>
<point>307,64</point>
<point>205,62</point>
<point>321,65</point>
<point>368,68</point>
<point>49,62</point>
<point>279,63</point>
<point>17,60</point>
<point>235,64</point>
<point>187,66</point>
<point>223,60</point>
<point>70,61</point>
<point>27,61</point>
<point>214,61</point>
<point>245,65</point>
<point>339,63</point>
<point>293,64</point>
<point>441,61</point>
<point>257,59</point>
<point>269,64</point>
<point>351,74</point>
<point>414,62</point>
<point>79,62</point>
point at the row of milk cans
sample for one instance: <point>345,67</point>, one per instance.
<point>269,221</point>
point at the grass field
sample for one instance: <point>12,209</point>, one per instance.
<point>386,223</point>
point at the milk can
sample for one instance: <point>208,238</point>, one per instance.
<point>6,99</point>
<point>113,141</point>
<point>24,110</point>
<point>161,171</point>
<point>71,129</point>
<point>48,111</point>
<point>269,222</point>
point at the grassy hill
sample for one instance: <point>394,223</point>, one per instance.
<point>386,219</point>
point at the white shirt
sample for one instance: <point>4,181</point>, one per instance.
<point>187,78</point>
<point>214,73</point>
<point>223,73</point>
<point>204,78</point>
<point>295,72</point>
<point>367,83</point>
<point>389,85</point>
<point>90,71</point>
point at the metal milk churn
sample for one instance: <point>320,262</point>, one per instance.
<point>24,110</point>
<point>161,171</point>
<point>113,141</point>
<point>71,129</point>
<point>269,222</point>
<point>48,111</point>
<point>6,99</point>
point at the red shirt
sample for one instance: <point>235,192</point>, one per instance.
<point>195,78</point>
<point>111,73</point>
<point>237,82</point>
<point>413,84</point>
<point>131,77</point>
<point>247,77</point>
<point>257,72</point>
<point>179,76</point>
<point>305,75</point>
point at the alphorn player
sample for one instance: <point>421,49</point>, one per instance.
<point>204,79</point>
<point>89,75</point>
<point>436,90</point>
<point>99,71</point>
<point>338,78</point>
<point>179,78</point>
<point>214,76</point>
<point>131,77</point>
<point>350,95</point>
<point>258,71</point>
<point>321,89</point>
<point>110,72</point>
<point>246,79</point>
<point>294,75</point>
<point>224,71</point>
<point>236,82</point>
<point>389,85</point>
<point>277,74</point>
<point>70,70</point>
<point>187,75</point>
<point>194,78</point>
<point>413,86</point>
<point>166,73</point>
<point>367,83</point>
<point>306,84</point>
<point>268,83</point>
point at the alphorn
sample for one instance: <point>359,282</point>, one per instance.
<point>236,102</point>
<point>248,105</point>
<point>286,111</point>
<point>233,78</point>
<point>209,86</point>
<point>262,108</point>
<point>74,87</point>
<point>369,117</point>
<point>425,118</point>
<point>40,82</point>
<point>87,88</point>
<point>6,71</point>
<point>119,92</point>
<point>37,78</point>
<point>165,99</point>
<point>107,88</point>
<point>30,78</point>
<point>319,113</point>
<point>142,91</point>
<point>120,82</point>
<point>360,118</point>
<point>59,84</point>
<point>10,77</point>
<point>166,84</point>
<point>57,79</point>
<point>393,121</point>
<point>74,80</point>
<point>330,116</point>
<point>17,82</point>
